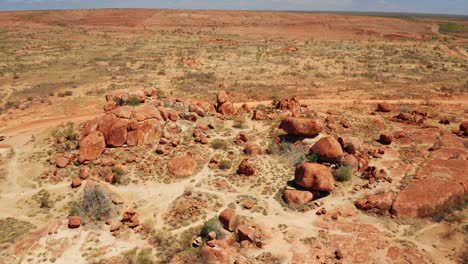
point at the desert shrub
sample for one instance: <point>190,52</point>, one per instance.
<point>44,199</point>
<point>261,107</point>
<point>96,203</point>
<point>119,177</point>
<point>225,164</point>
<point>68,93</point>
<point>75,210</point>
<point>211,225</point>
<point>240,123</point>
<point>219,144</point>
<point>405,109</point>
<point>343,174</point>
<point>133,102</point>
<point>289,153</point>
<point>138,256</point>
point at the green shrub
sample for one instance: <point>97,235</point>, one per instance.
<point>219,144</point>
<point>225,165</point>
<point>211,225</point>
<point>133,102</point>
<point>344,174</point>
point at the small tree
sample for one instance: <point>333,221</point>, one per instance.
<point>96,203</point>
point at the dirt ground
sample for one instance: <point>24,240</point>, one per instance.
<point>57,66</point>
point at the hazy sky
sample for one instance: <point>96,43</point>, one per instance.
<point>413,6</point>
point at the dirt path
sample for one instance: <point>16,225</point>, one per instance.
<point>44,123</point>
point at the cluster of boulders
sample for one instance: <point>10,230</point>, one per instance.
<point>224,105</point>
<point>245,168</point>
<point>288,103</point>
<point>237,232</point>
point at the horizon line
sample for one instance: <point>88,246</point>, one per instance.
<point>256,10</point>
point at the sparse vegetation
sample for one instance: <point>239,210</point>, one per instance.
<point>94,205</point>
<point>133,102</point>
<point>219,144</point>
<point>343,174</point>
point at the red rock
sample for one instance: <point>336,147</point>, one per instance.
<point>444,121</point>
<point>229,219</point>
<point>259,115</point>
<point>222,97</point>
<point>76,182</point>
<point>114,130</point>
<point>84,172</point>
<point>214,254</point>
<point>74,221</point>
<point>183,166</point>
<point>350,161</point>
<point>437,182</point>
<point>384,107</point>
<point>173,115</point>
<point>62,160</point>
<point>246,233</point>
<point>91,147</point>
<point>386,138</point>
<point>227,109</point>
<point>242,137</point>
<point>380,202</point>
<point>464,128</point>
<point>252,150</point>
<point>249,204</point>
<point>315,177</point>
<point>306,127</point>
<point>328,149</point>
<point>404,116</point>
<point>297,197</point>
<point>246,168</point>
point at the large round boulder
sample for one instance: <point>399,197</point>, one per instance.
<point>92,146</point>
<point>313,176</point>
<point>328,149</point>
<point>306,127</point>
<point>183,166</point>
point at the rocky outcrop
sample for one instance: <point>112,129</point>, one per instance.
<point>437,184</point>
<point>306,127</point>
<point>328,149</point>
<point>315,177</point>
<point>127,125</point>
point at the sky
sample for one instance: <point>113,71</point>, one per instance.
<point>459,7</point>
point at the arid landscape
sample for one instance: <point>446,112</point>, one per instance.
<point>180,136</point>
